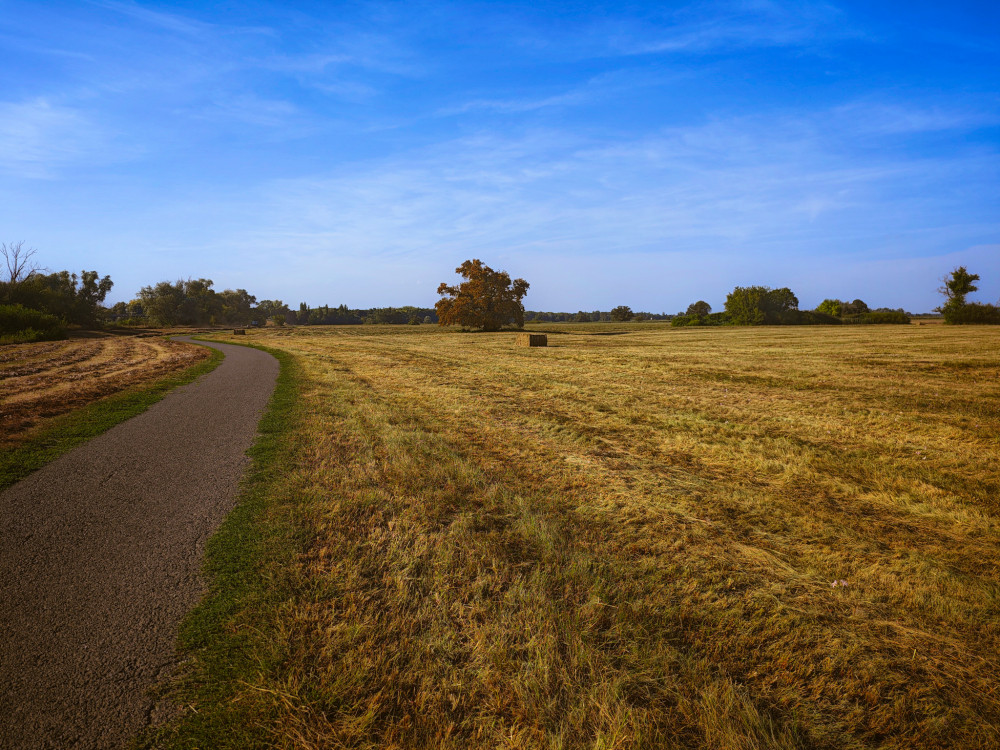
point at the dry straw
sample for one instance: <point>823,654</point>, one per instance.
<point>532,339</point>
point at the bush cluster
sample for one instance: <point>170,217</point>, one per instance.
<point>879,318</point>
<point>22,325</point>
<point>693,319</point>
<point>973,313</point>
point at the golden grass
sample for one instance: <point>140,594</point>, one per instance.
<point>45,380</point>
<point>720,538</point>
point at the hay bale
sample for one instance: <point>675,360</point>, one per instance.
<point>239,331</point>
<point>532,339</point>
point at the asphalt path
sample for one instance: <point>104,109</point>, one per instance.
<point>101,553</point>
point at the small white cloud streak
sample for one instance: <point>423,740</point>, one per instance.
<point>253,110</point>
<point>37,137</point>
<point>173,22</point>
<point>723,26</point>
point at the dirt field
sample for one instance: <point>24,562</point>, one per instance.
<point>43,380</point>
<point>729,538</point>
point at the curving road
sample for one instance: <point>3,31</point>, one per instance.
<point>100,556</point>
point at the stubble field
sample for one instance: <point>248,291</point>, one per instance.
<point>730,538</point>
<point>45,380</point>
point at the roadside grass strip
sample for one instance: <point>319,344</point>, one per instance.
<point>229,638</point>
<point>63,433</point>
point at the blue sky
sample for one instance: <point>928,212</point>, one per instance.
<point>647,154</point>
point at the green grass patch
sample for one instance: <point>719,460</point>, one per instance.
<point>66,432</point>
<point>226,639</point>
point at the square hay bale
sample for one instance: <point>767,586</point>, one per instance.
<point>532,339</point>
<point>239,331</point>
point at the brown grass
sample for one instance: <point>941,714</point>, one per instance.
<point>729,538</point>
<point>44,380</point>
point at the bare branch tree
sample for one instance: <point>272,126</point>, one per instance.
<point>19,264</point>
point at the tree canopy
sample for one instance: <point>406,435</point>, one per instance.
<point>66,296</point>
<point>701,307</point>
<point>757,305</point>
<point>830,307</point>
<point>957,286</point>
<point>194,302</point>
<point>622,314</point>
<point>487,299</point>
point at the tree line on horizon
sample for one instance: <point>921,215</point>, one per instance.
<point>761,305</point>
<point>193,302</point>
<point>36,305</point>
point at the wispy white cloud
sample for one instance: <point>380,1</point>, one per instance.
<point>891,119</point>
<point>254,110</point>
<point>762,196</point>
<point>305,63</point>
<point>173,22</point>
<point>516,105</point>
<point>727,26</point>
<point>37,137</point>
<point>28,46</point>
<point>594,89</point>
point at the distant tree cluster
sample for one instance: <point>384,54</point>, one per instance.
<point>342,315</point>
<point>39,305</point>
<point>956,309</point>
<point>761,305</point>
<point>191,302</point>
<point>840,309</point>
<point>195,303</point>
<point>624,314</point>
<point>858,311</point>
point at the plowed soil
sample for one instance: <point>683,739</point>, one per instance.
<point>43,380</point>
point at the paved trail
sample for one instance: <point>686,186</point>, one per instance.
<point>100,554</point>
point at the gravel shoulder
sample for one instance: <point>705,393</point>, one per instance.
<point>101,553</point>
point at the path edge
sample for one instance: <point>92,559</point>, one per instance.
<point>211,642</point>
<point>67,431</point>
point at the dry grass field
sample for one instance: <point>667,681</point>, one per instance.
<point>48,379</point>
<point>728,538</point>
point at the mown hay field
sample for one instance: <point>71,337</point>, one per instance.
<point>47,379</point>
<point>725,538</point>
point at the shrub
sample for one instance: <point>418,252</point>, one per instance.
<point>879,318</point>
<point>712,319</point>
<point>802,318</point>
<point>973,313</point>
<point>20,325</point>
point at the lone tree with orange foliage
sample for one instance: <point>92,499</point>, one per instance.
<point>487,299</point>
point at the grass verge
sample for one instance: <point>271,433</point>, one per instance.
<point>223,642</point>
<point>70,430</point>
